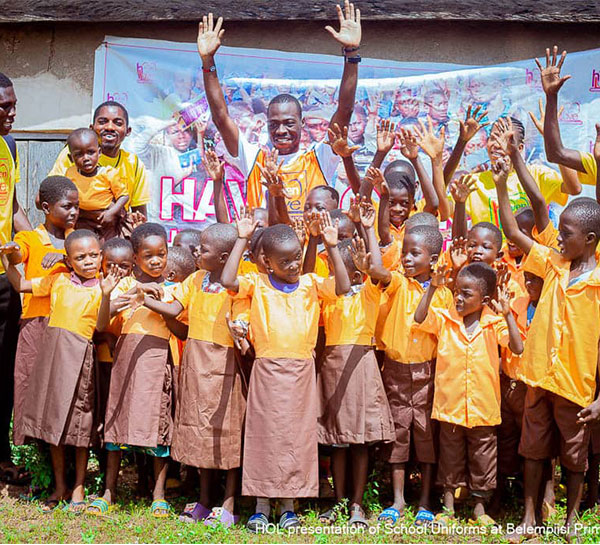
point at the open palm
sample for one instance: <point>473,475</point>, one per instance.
<point>350,32</point>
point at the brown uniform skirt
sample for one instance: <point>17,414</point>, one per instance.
<point>30,334</point>
<point>210,408</point>
<point>280,441</point>
<point>140,405</point>
<point>59,405</point>
<point>353,407</point>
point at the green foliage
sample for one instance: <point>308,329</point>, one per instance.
<point>36,461</point>
<point>371,499</point>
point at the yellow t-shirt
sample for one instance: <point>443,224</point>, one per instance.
<point>9,176</point>
<point>73,305</point>
<point>132,171</point>
<point>482,204</point>
<point>99,191</point>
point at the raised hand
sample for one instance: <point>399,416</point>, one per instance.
<point>360,256</point>
<point>215,168</point>
<point>109,282</point>
<point>439,276</point>
<point>209,35</point>
<point>386,135</point>
<point>353,212</point>
<point>299,229</point>
<point>338,140</point>
<point>273,183</point>
<point>500,170</point>
<point>425,137</point>
<point>504,138</point>
<point>409,146</point>
<point>328,229</point>
<point>472,123</point>
<point>312,224</point>
<point>551,79</point>
<point>501,303</point>
<point>458,253</point>
<point>539,123</point>
<point>9,248</point>
<point>367,214</point>
<point>350,32</point>
<point>51,259</point>
<point>461,189</point>
<point>375,177</point>
<point>245,223</point>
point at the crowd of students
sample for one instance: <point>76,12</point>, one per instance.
<point>244,347</point>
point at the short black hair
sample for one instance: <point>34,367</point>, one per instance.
<point>285,98</point>
<point>484,274</point>
<point>345,248</point>
<point>586,212</point>
<point>144,231</point>
<point>335,196</point>
<point>401,165</point>
<point>422,218</point>
<point>54,188</point>
<point>191,236</point>
<point>78,234</point>
<point>400,180</point>
<point>5,81</point>
<point>223,234</point>
<point>183,259</point>
<point>431,237</point>
<point>109,103</point>
<point>79,133</point>
<point>493,230</point>
<point>275,236</point>
<point>256,241</point>
<point>338,214</point>
<point>117,243</point>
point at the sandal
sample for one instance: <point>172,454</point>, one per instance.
<point>75,507</point>
<point>445,519</point>
<point>328,517</point>
<point>424,517</point>
<point>389,515</point>
<point>483,520</point>
<point>220,515</point>
<point>357,517</point>
<point>98,508</point>
<point>194,512</point>
<point>257,523</point>
<point>49,506</point>
<point>289,520</point>
<point>160,509</point>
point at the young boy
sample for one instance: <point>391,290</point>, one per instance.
<point>466,401</point>
<point>42,251</point>
<point>284,317</point>
<point>59,406</point>
<point>188,239</point>
<point>102,191</point>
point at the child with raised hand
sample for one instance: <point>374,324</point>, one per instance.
<point>140,400</point>
<point>338,140</point>
<point>561,388</point>
<point>466,401</point>
<point>208,432</point>
<point>353,409</point>
<point>102,191</point>
<point>58,406</point>
<point>284,318</point>
<point>42,252</point>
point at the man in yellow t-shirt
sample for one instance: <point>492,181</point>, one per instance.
<point>111,124</point>
<point>12,217</point>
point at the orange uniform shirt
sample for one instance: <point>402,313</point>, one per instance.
<point>561,354</point>
<point>402,341</point>
<point>73,305</point>
<point>34,247</point>
<point>283,325</point>
<point>467,372</point>
<point>350,318</point>
<point>99,191</point>
<point>516,273</point>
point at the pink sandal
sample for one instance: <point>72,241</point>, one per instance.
<point>220,515</point>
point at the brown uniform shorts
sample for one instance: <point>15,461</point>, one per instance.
<point>468,458</point>
<point>512,394</point>
<point>409,389</point>
<point>550,426</point>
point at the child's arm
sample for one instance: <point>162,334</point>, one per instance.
<point>369,262</point>
<point>509,224</point>
<point>468,129</point>
<point>16,278</point>
<point>338,140</point>
<point>591,413</point>
<point>11,251</point>
<point>245,226</point>
<point>177,328</point>
<point>434,147</point>
<point>439,278</point>
<point>597,158</point>
<point>460,191</point>
<point>310,255</point>
<point>329,233</point>
<point>215,168</point>
<point>502,306</point>
<point>386,138</point>
<point>113,212</point>
<point>107,284</point>
<point>383,219</point>
<point>271,180</point>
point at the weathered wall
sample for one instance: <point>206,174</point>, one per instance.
<point>52,64</point>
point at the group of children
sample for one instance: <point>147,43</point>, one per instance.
<point>249,344</point>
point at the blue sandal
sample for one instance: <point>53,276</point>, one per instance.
<point>424,517</point>
<point>257,523</point>
<point>160,509</point>
<point>390,515</point>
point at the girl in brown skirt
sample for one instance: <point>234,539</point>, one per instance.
<point>140,405</point>
<point>353,407</point>
<point>210,408</point>
<point>59,401</point>
<point>280,440</point>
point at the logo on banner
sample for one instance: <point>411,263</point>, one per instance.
<point>121,98</point>
<point>595,88</point>
<point>532,79</point>
<point>145,71</point>
<point>571,113</point>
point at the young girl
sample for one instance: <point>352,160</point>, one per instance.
<point>140,406</point>
<point>280,441</point>
<point>59,400</point>
<point>211,407</point>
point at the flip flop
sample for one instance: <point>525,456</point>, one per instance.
<point>75,507</point>
<point>357,517</point>
<point>328,517</point>
<point>424,517</point>
<point>98,508</point>
<point>220,515</point>
<point>49,506</point>
<point>160,509</point>
<point>390,515</point>
<point>444,519</point>
<point>483,520</point>
<point>194,512</point>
